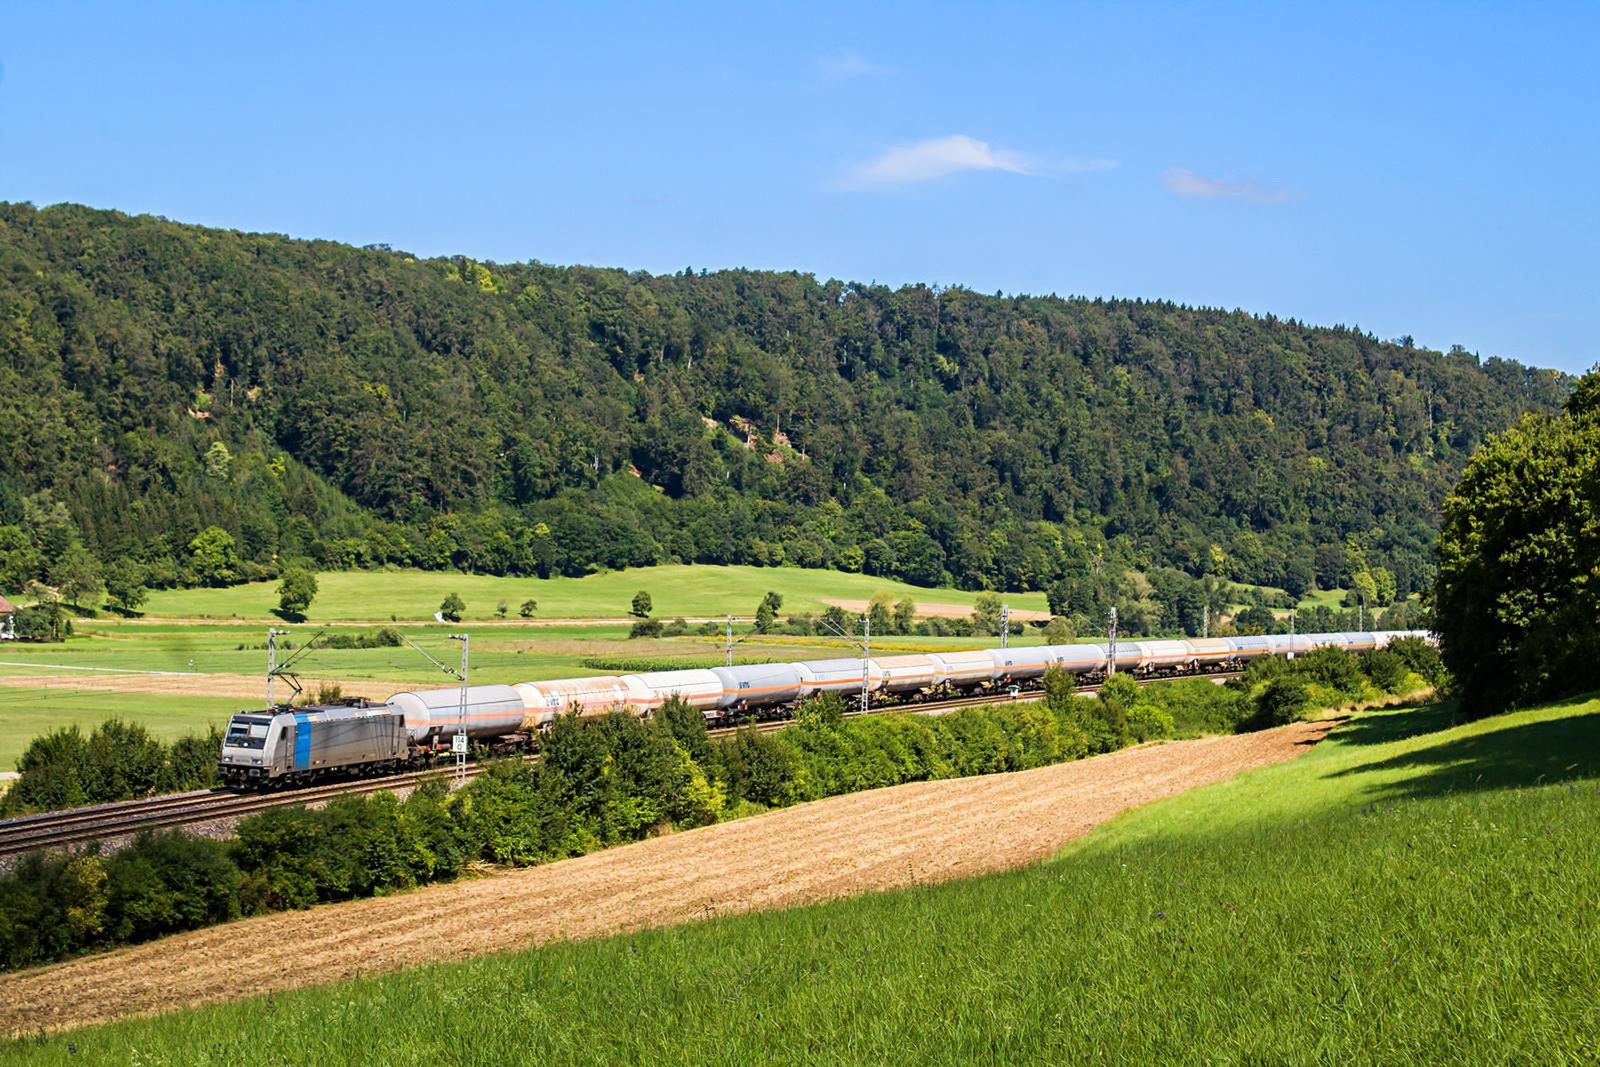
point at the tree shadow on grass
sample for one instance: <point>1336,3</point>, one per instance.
<point>1381,727</point>
<point>1535,753</point>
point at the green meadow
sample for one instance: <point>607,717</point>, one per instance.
<point>678,589</point>
<point>27,713</point>
<point>1407,891</point>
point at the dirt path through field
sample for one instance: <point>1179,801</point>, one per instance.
<point>923,832</point>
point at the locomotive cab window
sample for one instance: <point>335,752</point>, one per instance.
<point>242,733</point>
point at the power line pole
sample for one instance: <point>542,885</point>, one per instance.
<point>1111,658</point>
<point>729,644</point>
<point>1005,626</point>
<point>1291,633</point>
<point>458,743</point>
<point>1205,621</point>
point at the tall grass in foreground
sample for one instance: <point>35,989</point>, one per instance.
<point>1403,893</point>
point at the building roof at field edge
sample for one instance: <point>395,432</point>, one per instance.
<point>5,606</point>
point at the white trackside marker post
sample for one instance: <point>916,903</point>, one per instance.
<point>458,743</point>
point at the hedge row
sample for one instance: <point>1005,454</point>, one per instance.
<point>116,761</point>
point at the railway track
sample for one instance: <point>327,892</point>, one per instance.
<point>78,826</point>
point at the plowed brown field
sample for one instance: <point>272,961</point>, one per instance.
<point>923,832</point>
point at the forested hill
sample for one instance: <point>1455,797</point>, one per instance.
<point>360,406</point>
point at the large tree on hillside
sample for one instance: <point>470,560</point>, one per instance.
<point>1518,597</point>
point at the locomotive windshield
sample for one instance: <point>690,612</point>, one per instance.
<point>244,732</point>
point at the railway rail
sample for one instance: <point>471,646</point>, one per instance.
<point>78,826</point>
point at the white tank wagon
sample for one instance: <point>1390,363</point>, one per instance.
<point>1362,642</point>
<point>1210,652</point>
<point>838,676</point>
<point>909,674</point>
<point>1168,657</point>
<point>1023,664</point>
<point>1283,644</point>
<point>433,714</point>
<point>1080,659</point>
<point>963,670</point>
<point>596,695</point>
<point>1133,657</point>
<point>1246,649</point>
<point>700,689</point>
<point>758,684</point>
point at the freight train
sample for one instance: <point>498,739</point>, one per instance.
<point>286,746</point>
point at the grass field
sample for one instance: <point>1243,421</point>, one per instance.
<point>690,591</point>
<point>27,713</point>
<point>1405,892</point>
<point>1328,598</point>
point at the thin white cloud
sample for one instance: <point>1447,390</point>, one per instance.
<point>843,64</point>
<point>1187,183</point>
<point>937,158</point>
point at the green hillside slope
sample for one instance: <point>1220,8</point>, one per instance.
<point>361,406</point>
<point>1406,892</point>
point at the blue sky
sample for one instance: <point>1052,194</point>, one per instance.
<point>1411,169</point>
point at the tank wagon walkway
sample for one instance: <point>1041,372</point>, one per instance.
<point>922,832</point>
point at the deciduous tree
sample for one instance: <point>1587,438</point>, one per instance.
<point>296,591</point>
<point>215,556</point>
<point>1517,604</point>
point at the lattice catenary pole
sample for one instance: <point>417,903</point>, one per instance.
<point>272,660</point>
<point>1111,659</point>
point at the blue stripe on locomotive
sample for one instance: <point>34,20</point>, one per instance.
<point>302,741</point>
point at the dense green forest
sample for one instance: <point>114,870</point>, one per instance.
<point>188,405</point>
